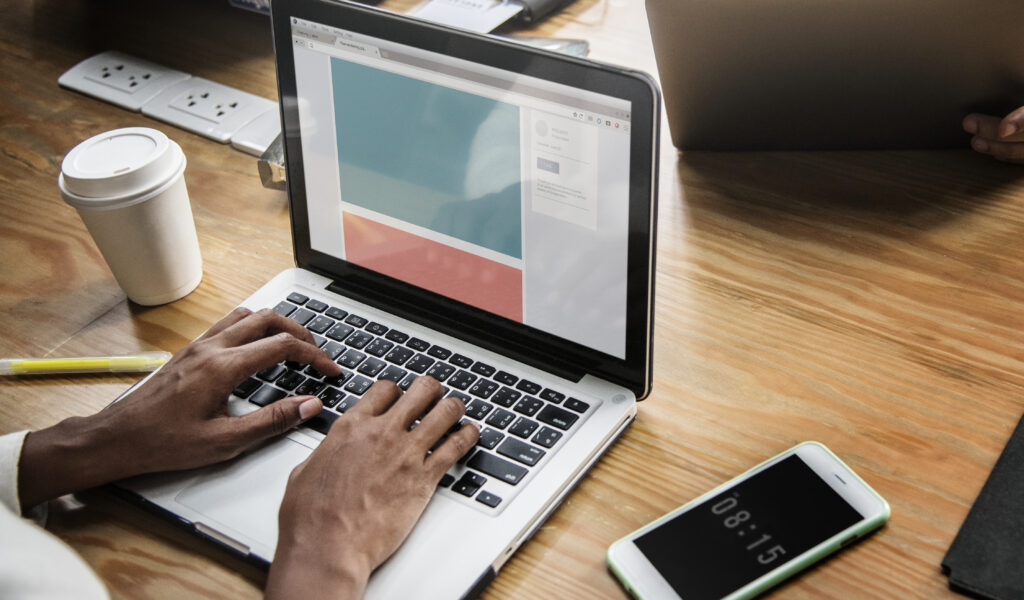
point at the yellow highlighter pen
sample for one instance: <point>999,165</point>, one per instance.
<point>129,363</point>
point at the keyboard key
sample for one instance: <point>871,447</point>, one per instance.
<point>322,421</point>
<point>359,339</point>
<point>478,409</point>
<point>483,369</point>
<point>356,321</point>
<point>333,349</point>
<point>297,298</point>
<point>290,380</point>
<point>346,403</point>
<point>558,417</point>
<point>396,336</point>
<point>547,437</point>
<point>419,363</point>
<point>339,332</point>
<point>528,406</point>
<point>488,498</point>
<point>501,418</point>
<point>506,396</point>
<point>339,380</point>
<point>462,397</point>
<point>506,378</point>
<point>552,396</point>
<point>398,355</point>
<point>528,386</point>
<point>521,451</point>
<point>469,484</point>
<point>418,344</point>
<point>577,405</point>
<point>439,352</point>
<point>379,347</point>
<point>496,467</point>
<point>267,395</point>
<point>319,340</point>
<point>320,324</point>
<point>371,366</point>
<point>247,387</point>
<point>331,397</point>
<point>284,308</point>
<point>336,313</point>
<point>351,359</point>
<point>461,361</point>
<point>377,328</point>
<point>461,380</point>
<point>393,373</point>
<point>483,388</point>
<point>358,385</point>
<point>272,372</point>
<point>523,427</point>
<point>316,305</point>
<point>489,438</point>
<point>310,387</point>
<point>302,316</point>
<point>446,480</point>
<point>406,383</point>
<point>441,371</point>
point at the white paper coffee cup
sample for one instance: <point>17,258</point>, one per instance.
<point>129,188</point>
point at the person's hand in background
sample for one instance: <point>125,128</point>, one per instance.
<point>1003,139</point>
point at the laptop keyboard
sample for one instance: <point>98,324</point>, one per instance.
<point>521,422</point>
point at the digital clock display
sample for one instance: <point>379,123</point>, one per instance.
<point>746,531</point>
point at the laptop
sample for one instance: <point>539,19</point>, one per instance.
<point>843,74</point>
<point>464,207</point>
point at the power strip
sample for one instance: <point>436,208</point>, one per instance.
<point>249,122</point>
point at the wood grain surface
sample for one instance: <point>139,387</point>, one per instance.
<point>869,300</point>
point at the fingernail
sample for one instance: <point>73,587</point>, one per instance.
<point>1008,130</point>
<point>979,144</point>
<point>971,126</point>
<point>310,408</point>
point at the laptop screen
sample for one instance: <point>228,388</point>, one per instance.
<point>502,191</point>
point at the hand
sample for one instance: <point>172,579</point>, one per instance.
<point>178,418</point>
<point>1003,139</point>
<point>350,505</point>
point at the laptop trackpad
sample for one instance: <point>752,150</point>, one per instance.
<point>244,495</point>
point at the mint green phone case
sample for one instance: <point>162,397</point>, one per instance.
<point>783,572</point>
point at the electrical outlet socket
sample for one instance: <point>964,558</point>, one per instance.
<point>210,109</point>
<point>120,79</point>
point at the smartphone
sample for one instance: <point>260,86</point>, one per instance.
<point>749,534</point>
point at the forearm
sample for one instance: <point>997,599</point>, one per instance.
<point>311,572</point>
<point>73,455</point>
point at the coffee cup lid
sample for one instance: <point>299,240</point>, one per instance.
<point>118,166</point>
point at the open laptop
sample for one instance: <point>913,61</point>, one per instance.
<point>468,208</point>
<point>842,74</point>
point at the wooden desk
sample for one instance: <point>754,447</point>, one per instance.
<point>871,300</point>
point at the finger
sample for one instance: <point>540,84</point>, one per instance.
<point>378,398</point>
<point>983,126</point>
<point>1011,128</point>
<point>421,395</point>
<point>453,448</point>
<point>271,420</point>
<point>445,414</point>
<point>268,351</point>
<point>1012,152</point>
<point>233,317</point>
<point>260,324</point>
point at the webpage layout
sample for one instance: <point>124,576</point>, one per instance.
<point>505,192</point>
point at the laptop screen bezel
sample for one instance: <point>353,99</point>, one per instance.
<point>513,339</point>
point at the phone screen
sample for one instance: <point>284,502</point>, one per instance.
<point>746,531</point>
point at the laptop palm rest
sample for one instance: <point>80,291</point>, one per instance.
<point>245,494</point>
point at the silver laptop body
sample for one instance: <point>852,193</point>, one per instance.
<point>412,147</point>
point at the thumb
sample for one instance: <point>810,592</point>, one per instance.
<point>276,418</point>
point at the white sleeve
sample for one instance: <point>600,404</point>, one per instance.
<point>34,564</point>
